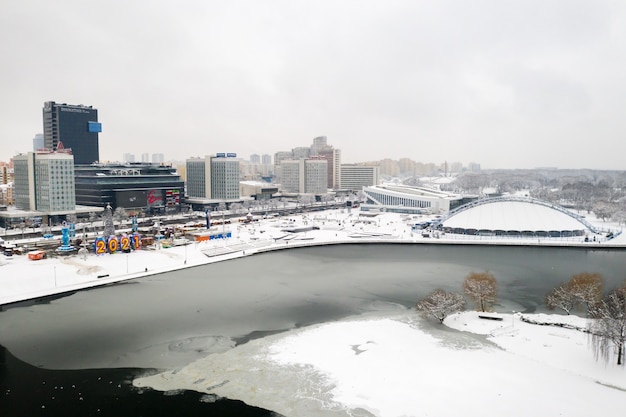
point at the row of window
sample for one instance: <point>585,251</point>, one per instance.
<point>389,200</point>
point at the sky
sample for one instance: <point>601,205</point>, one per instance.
<point>507,84</point>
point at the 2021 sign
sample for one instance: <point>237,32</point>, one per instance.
<point>125,243</point>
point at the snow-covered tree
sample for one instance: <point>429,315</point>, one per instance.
<point>582,289</point>
<point>236,208</point>
<point>481,288</point>
<point>607,329</point>
<point>604,210</point>
<point>587,288</point>
<point>561,298</point>
<point>109,227</point>
<point>120,214</point>
<point>72,218</point>
<point>440,304</point>
<point>619,217</point>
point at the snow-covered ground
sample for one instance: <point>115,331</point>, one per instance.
<point>22,279</point>
<point>401,365</point>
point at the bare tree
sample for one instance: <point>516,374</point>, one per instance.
<point>562,298</point>
<point>586,288</point>
<point>440,304</point>
<point>607,329</point>
<point>481,287</point>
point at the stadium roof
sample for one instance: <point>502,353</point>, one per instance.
<point>514,215</point>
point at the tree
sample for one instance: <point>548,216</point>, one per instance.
<point>562,298</point>
<point>72,218</point>
<point>481,287</point>
<point>604,210</point>
<point>584,288</point>
<point>120,214</point>
<point>236,208</point>
<point>440,304</point>
<point>607,329</point>
<point>587,288</point>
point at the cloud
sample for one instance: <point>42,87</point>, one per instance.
<point>430,81</point>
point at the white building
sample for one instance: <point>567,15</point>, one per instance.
<point>224,177</point>
<point>355,177</point>
<point>320,149</point>
<point>407,199</point>
<point>158,158</point>
<point>213,177</point>
<point>128,157</point>
<point>257,189</point>
<point>304,176</point>
<point>44,181</point>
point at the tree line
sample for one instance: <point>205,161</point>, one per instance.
<point>583,291</point>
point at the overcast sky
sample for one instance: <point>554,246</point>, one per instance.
<point>507,84</point>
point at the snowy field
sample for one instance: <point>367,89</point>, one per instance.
<point>402,365</point>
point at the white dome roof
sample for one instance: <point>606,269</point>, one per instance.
<point>514,215</point>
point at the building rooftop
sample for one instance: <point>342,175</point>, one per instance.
<point>517,214</point>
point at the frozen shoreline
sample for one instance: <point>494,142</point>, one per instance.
<point>397,364</point>
<point>23,280</point>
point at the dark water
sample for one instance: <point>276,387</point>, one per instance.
<point>30,391</point>
<point>165,321</point>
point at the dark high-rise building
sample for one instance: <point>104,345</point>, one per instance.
<point>76,126</point>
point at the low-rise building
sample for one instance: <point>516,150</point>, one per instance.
<point>408,199</point>
<point>141,187</point>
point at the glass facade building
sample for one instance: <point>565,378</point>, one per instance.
<point>149,188</point>
<point>76,127</point>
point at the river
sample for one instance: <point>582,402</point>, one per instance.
<point>168,320</point>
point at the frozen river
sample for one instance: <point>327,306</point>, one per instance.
<point>169,320</point>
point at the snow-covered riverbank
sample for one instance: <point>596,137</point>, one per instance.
<point>21,279</point>
<point>400,365</point>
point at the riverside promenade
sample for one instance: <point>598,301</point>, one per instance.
<point>22,279</point>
